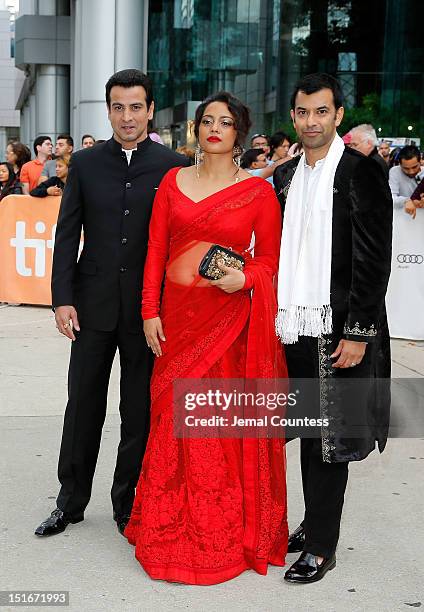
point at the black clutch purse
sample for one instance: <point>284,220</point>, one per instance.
<point>208,267</point>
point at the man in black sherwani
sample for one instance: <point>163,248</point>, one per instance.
<point>97,299</point>
<point>344,336</point>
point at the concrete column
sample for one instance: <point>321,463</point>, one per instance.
<point>27,7</point>
<point>53,7</point>
<point>74,68</point>
<point>47,7</point>
<point>130,37</point>
<point>93,65</point>
<point>32,119</point>
<point>3,142</point>
<point>25,119</point>
<point>52,100</point>
<point>108,36</point>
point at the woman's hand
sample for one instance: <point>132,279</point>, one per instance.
<point>54,191</point>
<point>232,281</point>
<point>153,331</point>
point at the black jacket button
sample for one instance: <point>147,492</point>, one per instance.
<point>127,185</point>
<point>126,212</point>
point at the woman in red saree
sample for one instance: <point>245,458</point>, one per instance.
<point>208,509</point>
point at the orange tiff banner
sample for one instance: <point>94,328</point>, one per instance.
<point>27,231</point>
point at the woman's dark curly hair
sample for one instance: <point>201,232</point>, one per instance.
<point>23,154</point>
<point>10,183</point>
<point>276,140</point>
<point>238,110</point>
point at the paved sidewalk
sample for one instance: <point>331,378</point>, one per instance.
<point>379,559</point>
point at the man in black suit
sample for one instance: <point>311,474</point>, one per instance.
<point>355,343</point>
<point>97,299</point>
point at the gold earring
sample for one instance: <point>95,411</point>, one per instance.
<point>198,158</point>
<point>237,151</point>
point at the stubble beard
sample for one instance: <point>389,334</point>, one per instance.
<point>135,138</point>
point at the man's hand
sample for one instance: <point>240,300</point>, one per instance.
<point>419,203</point>
<point>154,332</point>
<point>66,320</point>
<point>410,208</point>
<point>349,353</point>
<point>55,191</point>
<point>232,281</point>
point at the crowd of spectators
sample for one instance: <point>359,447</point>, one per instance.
<point>46,173</point>
<point>266,153</point>
<point>55,184</point>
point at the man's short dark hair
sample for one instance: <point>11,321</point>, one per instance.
<point>87,136</point>
<point>311,83</point>
<point>250,156</point>
<point>409,152</point>
<point>39,141</point>
<point>130,78</point>
<point>67,137</point>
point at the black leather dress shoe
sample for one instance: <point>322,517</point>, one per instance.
<point>296,540</point>
<point>56,523</point>
<point>121,522</point>
<point>307,569</point>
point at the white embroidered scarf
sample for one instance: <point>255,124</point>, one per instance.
<point>305,257</point>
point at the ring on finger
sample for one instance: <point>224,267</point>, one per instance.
<point>352,365</point>
<point>65,325</point>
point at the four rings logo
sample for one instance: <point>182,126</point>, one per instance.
<point>412,259</point>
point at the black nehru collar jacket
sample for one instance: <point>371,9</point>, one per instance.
<point>110,201</point>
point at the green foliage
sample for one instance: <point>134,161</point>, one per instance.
<point>288,128</point>
<point>369,112</point>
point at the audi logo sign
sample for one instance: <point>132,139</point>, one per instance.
<point>412,259</point>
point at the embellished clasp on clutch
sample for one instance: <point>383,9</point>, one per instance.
<point>208,267</point>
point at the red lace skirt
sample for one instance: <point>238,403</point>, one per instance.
<point>207,509</point>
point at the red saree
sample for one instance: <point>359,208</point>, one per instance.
<point>208,509</point>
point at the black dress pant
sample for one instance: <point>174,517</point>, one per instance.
<point>90,365</point>
<point>324,484</point>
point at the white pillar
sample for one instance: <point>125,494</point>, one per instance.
<point>52,100</point>
<point>109,35</point>
<point>130,39</point>
<point>25,135</point>
<point>3,142</point>
<point>32,120</point>
<point>27,7</point>
<point>93,65</point>
<point>47,7</point>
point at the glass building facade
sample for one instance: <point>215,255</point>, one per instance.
<point>258,49</point>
